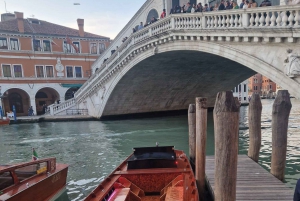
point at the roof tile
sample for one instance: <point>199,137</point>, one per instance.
<point>44,28</point>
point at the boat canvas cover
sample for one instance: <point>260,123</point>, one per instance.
<point>152,157</point>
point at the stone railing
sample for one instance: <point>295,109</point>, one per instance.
<point>236,20</point>
<point>57,108</point>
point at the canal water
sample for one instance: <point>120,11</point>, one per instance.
<point>94,148</point>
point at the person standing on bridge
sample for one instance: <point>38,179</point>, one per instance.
<point>163,14</point>
<point>141,26</point>
<point>222,6</point>
<point>199,8</point>
<point>216,8</point>
<point>189,8</point>
<point>242,4</point>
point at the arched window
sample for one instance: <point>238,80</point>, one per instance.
<point>70,93</point>
<point>175,3</point>
<point>41,94</point>
<point>15,99</point>
<point>152,13</point>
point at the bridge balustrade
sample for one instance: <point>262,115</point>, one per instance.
<point>281,17</point>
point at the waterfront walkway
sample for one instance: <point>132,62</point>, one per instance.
<point>253,181</point>
<point>46,118</point>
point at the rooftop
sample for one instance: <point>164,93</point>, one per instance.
<point>35,26</point>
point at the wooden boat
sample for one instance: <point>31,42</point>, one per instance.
<point>39,180</point>
<point>4,121</point>
<point>149,174</point>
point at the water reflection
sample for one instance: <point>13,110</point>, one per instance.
<point>94,149</point>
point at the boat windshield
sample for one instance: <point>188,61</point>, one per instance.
<point>6,180</point>
<point>31,170</point>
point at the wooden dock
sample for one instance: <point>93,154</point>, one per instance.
<point>253,181</point>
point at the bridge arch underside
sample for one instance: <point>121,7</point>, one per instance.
<point>171,81</point>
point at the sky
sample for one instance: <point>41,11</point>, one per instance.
<point>101,17</point>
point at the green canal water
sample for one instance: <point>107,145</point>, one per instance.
<point>93,149</point>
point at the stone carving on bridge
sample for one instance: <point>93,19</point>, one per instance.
<point>292,64</point>
<point>155,50</point>
<point>104,89</point>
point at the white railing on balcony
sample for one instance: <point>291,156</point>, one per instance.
<point>282,17</point>
<point>55,109</point>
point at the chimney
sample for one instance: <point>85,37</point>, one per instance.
<point>20,20</point>
<point>80,23</point>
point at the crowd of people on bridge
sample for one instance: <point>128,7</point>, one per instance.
<point>188,8</point>
<point>224,5</point>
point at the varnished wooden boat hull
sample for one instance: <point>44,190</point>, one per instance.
<point>4,122</point>
<point>38,180</point>
<point>45,189</point>
<point>155,184</point>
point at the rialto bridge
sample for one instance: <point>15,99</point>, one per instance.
<point>168,63</point>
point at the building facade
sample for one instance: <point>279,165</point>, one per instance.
<point>241,92</point>
<point>255,84</point>
<point>42,63</point>
<point>268,88</point>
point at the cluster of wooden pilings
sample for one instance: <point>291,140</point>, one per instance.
<point>226,132</point>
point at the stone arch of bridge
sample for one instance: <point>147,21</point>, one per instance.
<point>241,58</point>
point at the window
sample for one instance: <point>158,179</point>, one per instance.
<point>14,44</point>
<point>270,87</point>
<point>93,48</point>
<point>6,70</point>
<point>18,71</point>
<point>245,88</point>
<point>77,45</point>
<point>69,71</point>
<point>240,87</point>
<point>49,71</point>
<point>3,44</point>
<point>78,72</point>
<point>39,71</point>
<point>101,48</point>
<point>67,47</point>
<point>37,45</point>
<point>47,47</point>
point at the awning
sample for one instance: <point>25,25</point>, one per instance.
<point>71,85</point>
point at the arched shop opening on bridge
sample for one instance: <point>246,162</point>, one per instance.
<point>152,13</point>
<point>70,93</point>
<point>45,96</point>
<point>18,98</point>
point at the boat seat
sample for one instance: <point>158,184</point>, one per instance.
<point>174,194</point>
<point>120,194</point>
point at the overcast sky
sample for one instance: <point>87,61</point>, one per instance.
<point>102,17</point>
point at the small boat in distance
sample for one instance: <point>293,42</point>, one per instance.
<point>5,121</point>
<point>39,180</point>
<point>149,174</point>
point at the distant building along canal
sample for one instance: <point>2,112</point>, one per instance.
<point>42,63</point>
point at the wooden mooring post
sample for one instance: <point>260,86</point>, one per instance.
<point>226,128</point>
<point>280,118</point>
<point>201,134</point>
<point>254,118</point>
<point>192,131</point>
